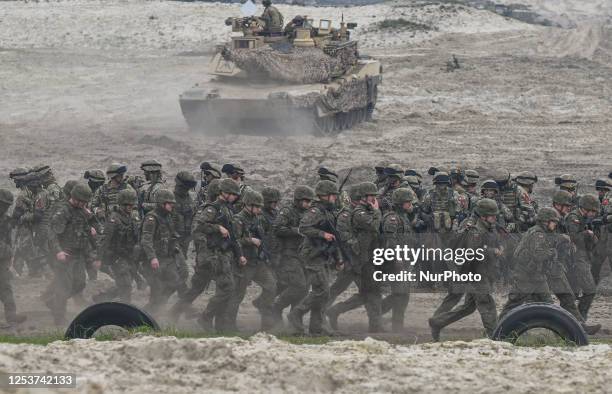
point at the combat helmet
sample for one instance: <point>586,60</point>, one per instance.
<point>402,195</point>
<point>163,196</point>
<point>327,175</point>
<point>567,181</point>
<point>6,197</point>
<point>546,215</point>
<point>394,170</point>
<point>603,184</point>
<point>413,181</point>
<point>67,189</point>
<point>368,189</point>
<point>355,192</point>
<point>127,197</point>
<point>562,197</point>
<point>441,178</point>
<point>489,184</point>
<point>151,166</point>
<point>214,189</point>
<point>81,191</point>
<point>18,173</point>
<point>471,177</point>
<point>414,173</point>
<point>252,197</point>
<point>589,202</point>
<point>95,176</point>
<point>42,169</point>
<point>501,176</point>
<point>486,207</point>
<point>115,169</point>
<point>325,188</point>
<point>303,193</point>
<point>186,179</point>
<point>270,194</point>
<point>526,178</point>
<point>209,169</point>
<point>229,186</point>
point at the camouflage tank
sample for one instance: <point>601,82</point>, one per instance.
<point>301,79</point>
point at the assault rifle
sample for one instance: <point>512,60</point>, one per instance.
<point>334,248</point>
<point>262,251</point>
<point>231,241</point>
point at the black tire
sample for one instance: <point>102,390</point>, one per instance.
<point>540,315</point>
<point>108,314</point>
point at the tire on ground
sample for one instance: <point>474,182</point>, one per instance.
<point>108,314</point>
<point>540,315</point>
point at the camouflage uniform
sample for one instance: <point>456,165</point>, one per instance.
<point>534,255</point>
<point>146,193</point>
<point>184,209</point>
<point>580,275</point>
<point>603,250</point>
<point>317,255</point>
<point>24,217</point>
<point>256,270</point>
<point>398,231</point>
<point>209,173</point>
<point>69,232</point>
<point>477,294</point>
<point>6,290</point>
<point>292,286</point>
<point>104,200</point>
<point>273,19</point>
<point>214,261</point>
<point>118,250</point>
<point>159,240</point>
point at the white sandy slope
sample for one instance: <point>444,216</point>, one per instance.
<point>265,364</point>
<point>179,26</point>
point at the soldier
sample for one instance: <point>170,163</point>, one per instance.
<point>118,249</point>
<point>351,272</point>
<point>516,199</point>
<point>292,286</point>
<point>269,213</point>
<point>250,235</point>
<point>6,248</point>
<point>235,173</point>
<point>365,227</point>
<point>535,255</point>
<point>527,180</point>
<point>569,183</point>
<point>146,193</point>
<point>480,236</point>
<point>398,231</point>
<point>394,174</point>
<point>105,199</point>
<point>457,178</point>
<point>70,241</point>
<point>272,19</point>
<point>604,246</point>
<point>184,210</point>
<point>318,250</point>
<point>584,236</point>
<point>208,174</point>
<point>296,23</point>
<point>95,179</point>
<point>381,177</point>
<point>470,182</point>
<point>22,231</point>
<point>419,190</point>
<point>159,241</point>
<point>54,190</point>
<point>216,255</point>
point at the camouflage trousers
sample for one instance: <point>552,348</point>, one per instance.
<point>164,281</point>
<point>397,301</point>
<point>344,279</point>
<point>476,299</point>
<point>602,253</point>
<point>69,279</point>
<point>371,292</point>
<point>217,267</point>
<point>581,280</point>
<point>318,280</point>
<point>6,292</point>
<point>121,270</point>
<point>291,283</point>
<point>561,288</point>
<point>263,276</point>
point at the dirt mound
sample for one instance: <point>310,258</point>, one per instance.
<point>263,363</point>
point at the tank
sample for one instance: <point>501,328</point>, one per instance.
<point>307,77</point>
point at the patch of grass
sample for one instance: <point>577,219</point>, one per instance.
<point>402,24</point>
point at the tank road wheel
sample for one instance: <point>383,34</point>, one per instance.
<point>108,314</point>
<point>534,316</point>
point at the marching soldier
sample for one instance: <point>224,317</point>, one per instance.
<point>153,175</point>
<point>208,174</point>
<point>105,199</point>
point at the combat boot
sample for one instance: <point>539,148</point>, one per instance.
<point>332,317</point>
<point>295,320</point>
<point>206,322</point>
<point>435,330</point>
<point>591,329</point>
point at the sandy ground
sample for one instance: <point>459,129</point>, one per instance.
<point>265,364</point>
<point>86,83</point>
